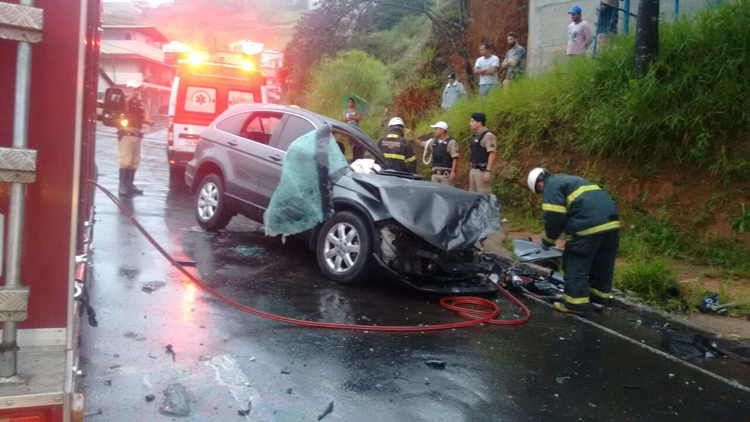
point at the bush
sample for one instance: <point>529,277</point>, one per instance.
<point>692,106</point>
<point>351,72</point>
<point>652,281</point>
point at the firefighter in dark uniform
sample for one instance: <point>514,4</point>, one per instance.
<point>399,153</point>
<point>589,217</point>
<point>129,136</point>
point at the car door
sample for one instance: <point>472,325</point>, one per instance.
<point>294,126</point>
<point>248,138</point>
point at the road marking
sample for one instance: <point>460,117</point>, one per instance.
<point>230,375</point>
<point>732,383</point>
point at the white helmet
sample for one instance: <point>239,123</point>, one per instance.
<point>534,176</point>
<point>133,85</point>
<point>396,121</point>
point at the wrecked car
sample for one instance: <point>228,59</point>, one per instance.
<point>288,169</point>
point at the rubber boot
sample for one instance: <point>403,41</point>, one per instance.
<point>134,190</point>
<point>124,188</point>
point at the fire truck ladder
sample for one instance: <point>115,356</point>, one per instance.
<point>23,23</point>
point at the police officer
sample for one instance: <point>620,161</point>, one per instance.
<point>444,150</point>
<point>589,217</point>
<point>399,154</point>
<point>483,146</point>
<point>129,136</point>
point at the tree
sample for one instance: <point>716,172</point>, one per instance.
<point>453,29</point>
<point>646,36</point>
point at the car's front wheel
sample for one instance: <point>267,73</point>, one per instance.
<point>211,210</point>
<point>343,248</point>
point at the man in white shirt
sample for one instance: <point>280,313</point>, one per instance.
<point>579,33</point>
<point>487,68</point>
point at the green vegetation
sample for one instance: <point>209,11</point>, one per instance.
<point>691,107</point>
<point>654,281</point>
<point>741,223</point>
<point>351,72</point>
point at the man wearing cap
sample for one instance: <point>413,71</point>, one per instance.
<point>483,150</point>
<point>453,92</point>
<point>444,151</point>
<point>129,136</point>
<point>398,152</point>
<point>579,33</point>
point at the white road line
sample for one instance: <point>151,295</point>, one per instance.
<point>732,383</point>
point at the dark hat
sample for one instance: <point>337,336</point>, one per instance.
<point>480,117</point>
<point>451,75</point>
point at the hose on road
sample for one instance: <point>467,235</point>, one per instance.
<point>486,315</point>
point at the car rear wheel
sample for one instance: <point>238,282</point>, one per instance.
<point>211,211</point>
<point>343,248</point>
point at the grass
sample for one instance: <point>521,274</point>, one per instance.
<point>691,107</point>
<point>654,281</point>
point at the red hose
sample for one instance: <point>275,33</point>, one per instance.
<point>474,316</point>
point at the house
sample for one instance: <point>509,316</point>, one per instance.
<point>270,61</point>
<point>134,53</point>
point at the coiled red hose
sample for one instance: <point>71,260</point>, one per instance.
<point>474,316</point>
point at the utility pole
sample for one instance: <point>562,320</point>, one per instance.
<point>646,36</point>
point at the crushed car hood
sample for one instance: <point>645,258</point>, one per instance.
<point>448,218</point>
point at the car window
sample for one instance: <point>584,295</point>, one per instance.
<point>260,127</point>
<point>200,99</point>
<point>233,124</point>
<point>350,147</point>
<point>293,129</point>
<point>238,97</point>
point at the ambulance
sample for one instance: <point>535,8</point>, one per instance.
<point>204,86</point>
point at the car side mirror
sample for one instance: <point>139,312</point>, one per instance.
<point>114,107</point>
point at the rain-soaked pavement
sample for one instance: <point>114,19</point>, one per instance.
<point>553,367</point>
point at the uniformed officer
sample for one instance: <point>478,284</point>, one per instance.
<point>399,153</point>
<point>483,146</point>
<point>444,150</point>
<point>129,136</point>
<point>589,217</point>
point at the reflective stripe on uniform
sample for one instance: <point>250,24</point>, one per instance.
<point>409,160</point>
<point>600,228</point>
<point>392,136</point>
<point>395,156</point>
<point>578,192</point>
<point>545,237</point>
<point>600,294</point>
<point>576,300</point>
<point>554,208</point>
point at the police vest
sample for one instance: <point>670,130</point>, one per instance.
<point>135,114</point>
<point>479,154</point>
<point>440,155</point>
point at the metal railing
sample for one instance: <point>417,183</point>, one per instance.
<point>22,23</point>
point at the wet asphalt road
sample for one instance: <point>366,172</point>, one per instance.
<point>553,367</point>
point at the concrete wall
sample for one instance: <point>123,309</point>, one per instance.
<point>549,19</point>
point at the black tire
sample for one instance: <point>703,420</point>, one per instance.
<point>211,187</point>
<point>347,274</point>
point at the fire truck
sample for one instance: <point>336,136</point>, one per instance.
<point>49,50</point>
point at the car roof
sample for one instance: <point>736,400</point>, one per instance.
<point>319,119</point>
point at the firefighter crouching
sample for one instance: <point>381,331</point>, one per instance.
<point>589,217</point>
<point>129,137</point>
<point>398,152</point>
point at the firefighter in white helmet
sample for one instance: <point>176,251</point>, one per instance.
<point>399,153</point>
<point>589,217</point>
